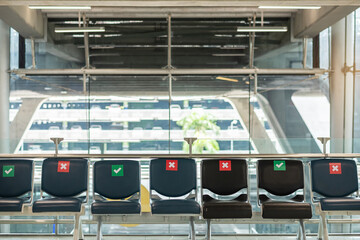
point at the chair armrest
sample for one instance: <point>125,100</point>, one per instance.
<point>98,198</point>
<point>155,197</point>
<point>191,196</point>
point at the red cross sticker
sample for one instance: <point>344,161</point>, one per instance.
<point>225,165</point>
<point>335,168</point>
<point>63,166</point>
<point>171,165</point>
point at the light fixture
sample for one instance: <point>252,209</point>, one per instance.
<point>233,47</point>
<point>262,29</point>
<point>290,7</point>
<point>79,29</point>
<point>229,54</point>
<point>60,7</point>
<point>227,79</point>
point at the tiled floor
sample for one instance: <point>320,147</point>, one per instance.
<point>174,238</point>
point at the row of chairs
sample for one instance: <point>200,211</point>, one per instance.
<point>173,184</point>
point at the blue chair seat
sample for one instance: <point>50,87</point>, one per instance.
<point>11,204</point>
<point>340,204</point>
<point>115,207</point>
<point>58,205</point>
<point>175,206</point>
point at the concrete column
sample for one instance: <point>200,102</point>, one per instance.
<point>4,86</point>
<point>257,132</point>
<point>341,86</point>
<point>296,135</point>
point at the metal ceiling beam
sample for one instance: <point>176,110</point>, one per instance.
<point>178,12</point>
<point>112,3</point>
<point>163,15</point>
<point>29,23</point>
<point>309,23</point>
<point>214,71</point>
<point>204,9</point>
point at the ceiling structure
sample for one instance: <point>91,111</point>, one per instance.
<point>204,35</point>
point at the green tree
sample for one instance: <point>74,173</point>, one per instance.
<point>200,123</point>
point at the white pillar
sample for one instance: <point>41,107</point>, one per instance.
<point>341,86</point>
<point>4,86</point>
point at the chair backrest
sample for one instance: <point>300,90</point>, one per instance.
<point>16,177</point>
<point>280,177</point>
<point>224,177</point>
<point>64,177</point>
<point>173,177</point>
<point>117,179</point>
<point>334,177</point>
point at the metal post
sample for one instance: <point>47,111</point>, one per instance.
<point>325,234</point>
<point>192,229</point>
<point>56,141</point>
<point>76,227</point>
<point>324,141</point>
<point>305,45</point>
<point>56,225</point>
<point>190,141</point>
<point>84,83</point>
<point>320,231</point>
<point>99,233</point>
<point>255,83</point>
<point>4,87</point>
<point>33,53</point>
<point>302,229</point>
<point>86,44</point>
<point>252,43</point>
<point>169,64</point>
<point>170,100</point>
<point>208,229</point>
<point>232,140</point>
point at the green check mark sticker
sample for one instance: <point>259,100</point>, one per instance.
<point>8,171</point>
<point>279,166</point>
<point>117,170</point>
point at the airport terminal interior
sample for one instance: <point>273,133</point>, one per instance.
<point>179,119</point>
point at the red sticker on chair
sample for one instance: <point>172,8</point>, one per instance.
<point>63,166</point>
<point>335,168</point>
<point>171,165</point>
<point>225,165</point>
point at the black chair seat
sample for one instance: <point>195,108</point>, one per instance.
<point>290,209</point>
<point>11,204</point>
<point>58,205</point>
<point>175,206</point>
<point>340,204</point>
<point>236,208</point>
<point>115,207</point>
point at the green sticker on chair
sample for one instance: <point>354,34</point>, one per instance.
<point>117,170</point>
<point>8,171</point>
<point>279,166</point>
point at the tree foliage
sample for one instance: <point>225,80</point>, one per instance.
<point>203,125</point>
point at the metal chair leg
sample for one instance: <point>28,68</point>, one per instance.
<point>99,232</point>
<point>76,227</point>
<point>298,235</point>
<point>208,229</point>
<point>302,228</point>
<point>81,233</point>
<point>192,229</point>
<point>320,230</point>
<point>324,227</point>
